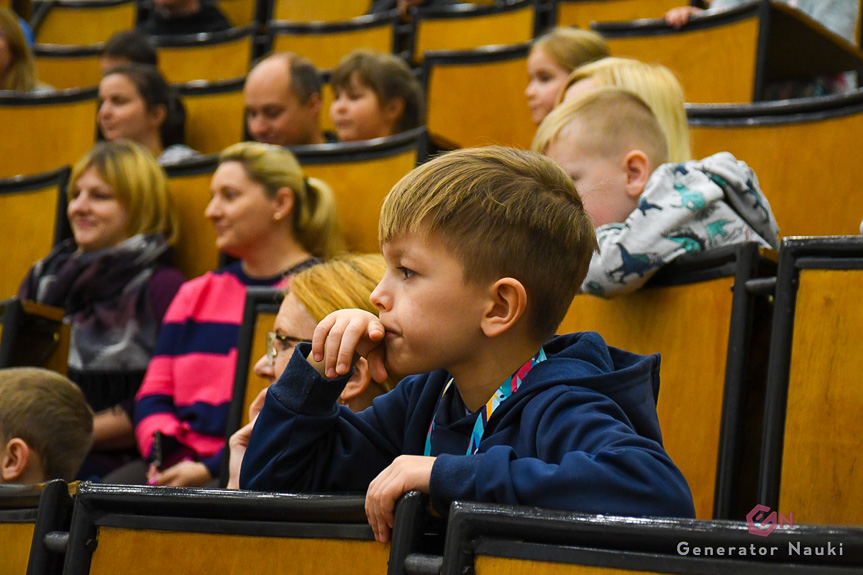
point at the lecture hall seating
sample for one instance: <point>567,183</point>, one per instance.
<point>699,315</point>
<point>80,22</point>
<point>804,152</point>
<point>212,56</point>
<point>811,461</point>
<point>215,113</point>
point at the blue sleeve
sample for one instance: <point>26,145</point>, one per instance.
<point>584,457</point>
<point>303,442</point>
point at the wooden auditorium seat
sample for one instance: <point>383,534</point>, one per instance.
<point>317,11</point>
<point>33,335</point>
<point>581,13</point>
<point>63,66</point>
<point>487,538</point>
<point>239,12</point>
<point>81,22</point>
<point>811,464</point>
<point>32,220</point>
<point>697,313</point>
<point>215,114</point>
<point>361,174</point>
<point>71,115</point>
<point>326,43</point>
<point>262,306</point>
<point>131,530</point>
<point>27,514</point>
<point>212,56</point>
<point>730,56</point>
<point>476,97</point>
<point>804,153</point>
<point>469,26</point>
<point>189,185</point>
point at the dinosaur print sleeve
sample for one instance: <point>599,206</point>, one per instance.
<point>681,210</point>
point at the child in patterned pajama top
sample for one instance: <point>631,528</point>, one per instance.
<point>647,212</point>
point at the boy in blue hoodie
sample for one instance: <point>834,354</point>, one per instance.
<point>485,249</point>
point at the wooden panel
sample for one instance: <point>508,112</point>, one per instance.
<point>196,251</point>
<point>495,112</point>
<point>85,25</point>
<point>689,326</point>
<point>813,198</point>
<point>72,133</point>
<point>821,468</point>
<point>692,56</point>
<point>69,71</point>
<point>317,11</point>
<point>59,359</point>
<point>146,552</point>
<point>26,234</point>
<point>15,539</point>
<point>214,121</point>
<point>180,64</point>
<point>238,12</point>
<point>327,99</point>
<point>360,189</point>
<point>504,566</point>
<point>327,49</point>
<point>581,14</point>
<point>466,33</point>
<point>254,384</point>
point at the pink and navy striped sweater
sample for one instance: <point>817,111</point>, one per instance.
<point>187,390</point>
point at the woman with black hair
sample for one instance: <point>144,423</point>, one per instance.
<point>136,103</point>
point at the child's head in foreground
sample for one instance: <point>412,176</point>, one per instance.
<point>609,143</point>
<point>486,213</point>
<point>46,426</point>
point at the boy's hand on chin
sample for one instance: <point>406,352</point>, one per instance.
<point>343,336</point>
<point>405,473</point>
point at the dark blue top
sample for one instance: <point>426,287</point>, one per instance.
<point>581,434</point>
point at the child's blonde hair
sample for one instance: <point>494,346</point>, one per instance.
<point>613,121</point>
<point>139,183</point>
<point>344,282</point>
<point>315,220</point>
<point>503,213</point>
<point>49,413</point>
<point>653,83</point>
<point>569,48</point>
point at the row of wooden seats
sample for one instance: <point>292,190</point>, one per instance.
<point>360,174</point>
<point>716,318</point>
<point>186,530</point>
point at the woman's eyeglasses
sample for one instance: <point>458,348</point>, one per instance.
<point>278,343</point>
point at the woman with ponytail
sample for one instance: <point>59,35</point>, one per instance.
<point>276,222</point>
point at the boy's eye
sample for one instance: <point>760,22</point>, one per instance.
<point>408,273</point>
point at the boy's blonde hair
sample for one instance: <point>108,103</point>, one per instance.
<point>21,75</point>
<point>49,413</point>
<point>503,213</point>
<point>569,48</point>
<point>139,183</point>
<point>315,219</point>
<point>612,120</point>
<point>344,282</point>
<point>653,83</point>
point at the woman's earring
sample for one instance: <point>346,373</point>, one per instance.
<point>277,216</point>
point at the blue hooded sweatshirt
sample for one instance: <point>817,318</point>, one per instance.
<point>580,434</point>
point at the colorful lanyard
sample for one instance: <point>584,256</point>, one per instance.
<point>503,393</point>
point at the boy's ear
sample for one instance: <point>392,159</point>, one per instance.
<point>358,383</point>
<point>638,170</point>
<point>507,305</point>
<point>15,460</point>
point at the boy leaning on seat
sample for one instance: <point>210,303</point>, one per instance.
<point>485,249</point>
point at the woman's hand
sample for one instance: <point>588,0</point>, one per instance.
<point>239,441</point>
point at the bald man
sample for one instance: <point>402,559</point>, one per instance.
<point>283,101</point>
